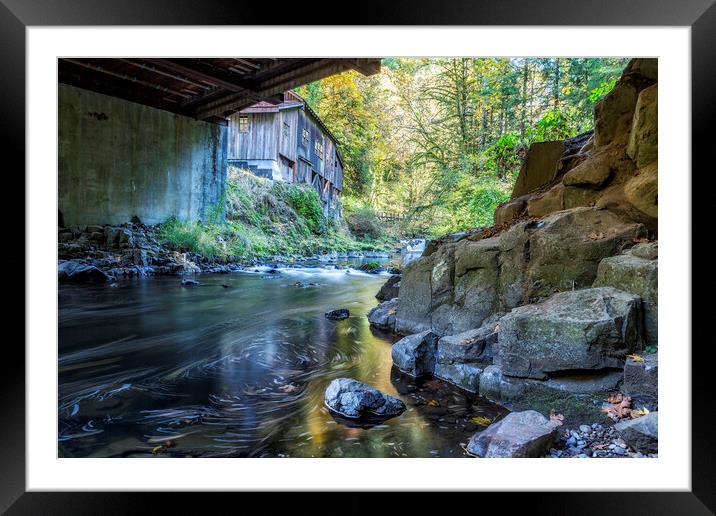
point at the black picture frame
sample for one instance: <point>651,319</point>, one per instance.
<point>700,15</point>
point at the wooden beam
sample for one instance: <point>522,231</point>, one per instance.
<point>366,66</point>
<point>312,71</point>
<point>204,73</point>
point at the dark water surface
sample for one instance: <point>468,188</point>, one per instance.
<point>148,367</point>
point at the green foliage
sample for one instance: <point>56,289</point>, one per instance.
<point>265,219</point>
<point>605,87</point>
<point>305,202</point>
<point>554,125</point>
<point>438,140</point>
<point>363,222</point>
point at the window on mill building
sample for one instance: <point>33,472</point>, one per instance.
<point>243,124</point>
<point>306,137</point>
<point>319,149</point>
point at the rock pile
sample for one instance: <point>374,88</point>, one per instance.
<point>103,253</point>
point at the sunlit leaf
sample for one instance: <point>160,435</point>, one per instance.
<point>481,420</point>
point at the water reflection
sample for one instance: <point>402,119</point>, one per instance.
<point>153,368</point>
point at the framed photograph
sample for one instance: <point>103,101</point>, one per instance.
<point>414,251</point>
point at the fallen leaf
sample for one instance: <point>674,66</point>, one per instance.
<point>556,416</point>
<point>432,403</point>
<point>618,407</point>
<point>636,358</point>
<point>481,420</point>
<point>391,312</point>
<point>615,398</point>
<point>635,413</point>
<point>596,235</point>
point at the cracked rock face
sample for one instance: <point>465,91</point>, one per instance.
<point>353,399</point>
<point>461,284</point>
<point>586,329</point>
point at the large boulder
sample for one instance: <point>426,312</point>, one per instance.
<point>74,271</point>
<point>638,276</point>
<point>642,434</point>
<point>473,295</point>
<point>641,376</point>
<point>462,358</point>
<point>470,346</point>
<point>510,210</point>
<point>415,354</point>
<point>383,315</point>
<point>642,190</point>
<point>591,173</point>
<point>644,137</point>
<point>550,201</point>
<point>499,387</point>
<point>519,434</point>
<point>586,329</point>
<point>390,288</point>
<point>565,248</point>
<point>353,399</point>
<point>539,168</point>
<point>613,114</point>
<point>462,283</point>
<point>414,302</point>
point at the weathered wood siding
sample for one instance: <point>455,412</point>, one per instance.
<point>288,142</point>
<point>274,146</point>
<point>261,140</point>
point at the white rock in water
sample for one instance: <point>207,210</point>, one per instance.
<point>353,399</point>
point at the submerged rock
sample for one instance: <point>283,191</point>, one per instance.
<point>186,282</point>
<point>337,315</point>
<point>73,271</point>
<point>383,315</point>
<point>586,329</point>
<point>642,433</point>
<point>353,399</point>
<point>415,354</point>
<point>519,434</point>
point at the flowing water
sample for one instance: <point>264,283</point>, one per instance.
<point>237,367</point>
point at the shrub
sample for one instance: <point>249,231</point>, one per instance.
<point>363,223</point>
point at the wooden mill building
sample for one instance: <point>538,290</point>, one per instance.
<point>288,142</point>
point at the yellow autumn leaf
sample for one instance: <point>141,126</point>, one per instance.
<point>636,358</point>
<point>481,420</point>
<point>391,312</point>
<point>635,413</point>
<point>432,403</point>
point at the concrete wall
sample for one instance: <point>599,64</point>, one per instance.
<point>118,159</point>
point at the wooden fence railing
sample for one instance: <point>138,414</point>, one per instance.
<point>390,216</point>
